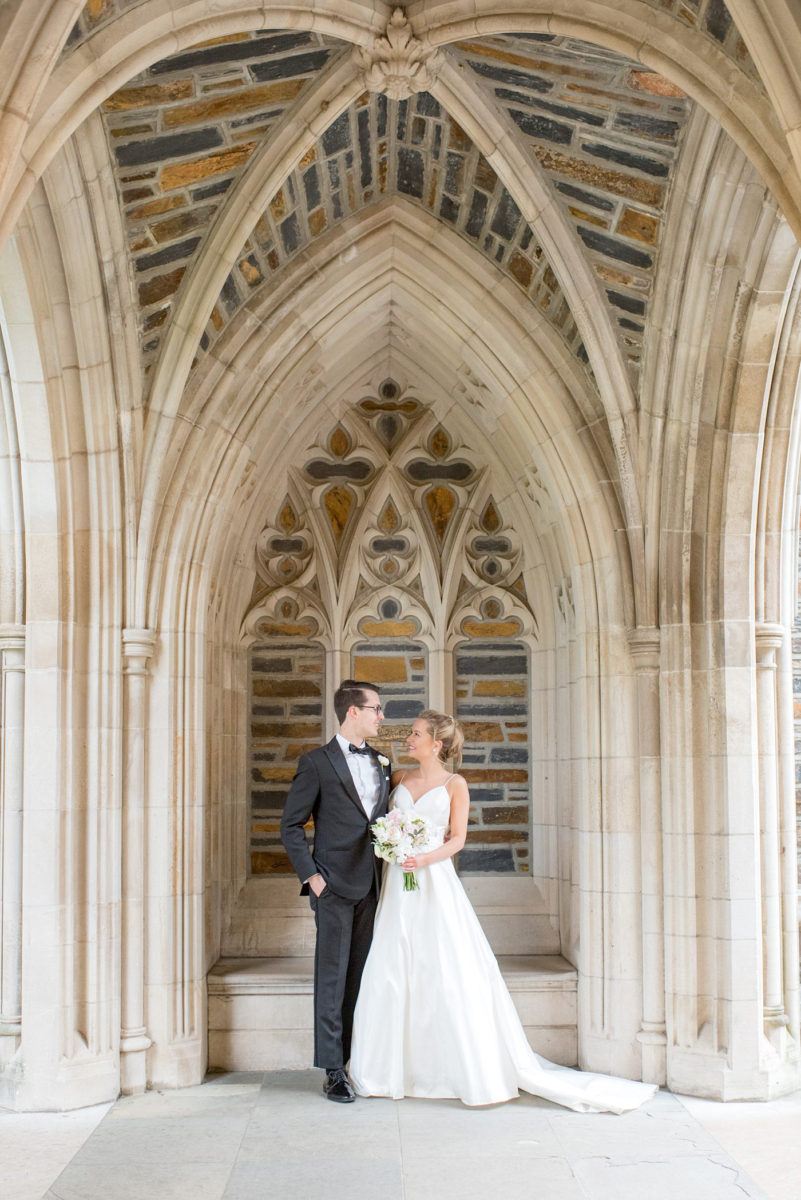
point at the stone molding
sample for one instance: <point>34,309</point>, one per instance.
<point>644,644</point>
<point>138,646</point>
<point>399,64</point>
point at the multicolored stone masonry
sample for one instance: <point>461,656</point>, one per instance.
<point>398,666</point>
<point>492,688</point>
<point>605,130</point>
<point>410,148</point>
<point>608,133</point>
<point>180,134</point>
<point>287,689</point>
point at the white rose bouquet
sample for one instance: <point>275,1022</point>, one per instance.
<point>396,836</point>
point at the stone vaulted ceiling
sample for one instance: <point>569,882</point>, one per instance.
<point>606,132</point>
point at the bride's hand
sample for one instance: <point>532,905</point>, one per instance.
<point>414,862</point>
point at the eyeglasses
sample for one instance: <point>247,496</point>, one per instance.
<point>376,708</point>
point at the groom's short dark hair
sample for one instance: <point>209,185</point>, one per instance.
<point>351,691</point>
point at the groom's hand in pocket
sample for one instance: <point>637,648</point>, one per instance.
<point>317,884</point>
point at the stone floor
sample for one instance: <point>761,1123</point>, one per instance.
<point>272,1135</point>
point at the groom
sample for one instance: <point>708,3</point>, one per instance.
<point>344,786</point>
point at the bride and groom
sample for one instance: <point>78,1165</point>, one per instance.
<point>408,997</point>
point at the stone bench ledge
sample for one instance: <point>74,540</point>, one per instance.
<point>265,976</point>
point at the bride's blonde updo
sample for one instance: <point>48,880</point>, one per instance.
<point>446,729</point>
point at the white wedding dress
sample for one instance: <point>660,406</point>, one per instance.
<point>434,1017</point>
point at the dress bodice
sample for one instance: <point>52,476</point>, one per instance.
<point>434,805</point>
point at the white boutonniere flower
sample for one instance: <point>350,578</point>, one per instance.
<point>383,760</point>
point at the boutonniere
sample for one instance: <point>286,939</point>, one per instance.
<point>383,760</point>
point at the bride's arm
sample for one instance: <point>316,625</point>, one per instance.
<point>460,809</point>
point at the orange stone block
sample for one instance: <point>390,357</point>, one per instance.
<point>155,208</point>
<point>618,182</point>
<point>495,837</point>
<point>160,287</point>
<point>295,749</point>
<point>289,629</point>
<point>657,85</point>
<point>491,629</point>
<point>639,225</point>
<point>149,95</point>
<point>379,670</point>
<point>232,103</point>
<point>521,268</point>
<point>285,729</point>
<point>251,273</point>
<point>588,218</point>
<point>177,226</point>
<point>181,174</point>
<point>486,50</point>
<point>482,731</point>
<point>317,221</point>
<point>613,275</point>
<point>278,205</point>
<point>270,862</point>
<point>499,687</point>
<point>492,775</point>
<point>273,774</point>
<point>286,687</point>
<point>382,629</point>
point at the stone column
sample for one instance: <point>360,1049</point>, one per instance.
<point>137,649</point>
<point>440,680</point>
<point>644,646</point>
<point>769,638</point>
<point>789,850</point>
<point>12,694</point>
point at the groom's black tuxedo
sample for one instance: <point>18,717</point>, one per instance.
<point>342,853</point>
<point>323,788</point>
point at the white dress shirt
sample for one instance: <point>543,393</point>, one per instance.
<point>366,777</point>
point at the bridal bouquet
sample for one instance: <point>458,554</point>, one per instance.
<point>396,836</point>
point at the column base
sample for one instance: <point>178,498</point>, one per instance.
<point>708,1077</point>
<point>133,1062</point>
<point>654,1055</point>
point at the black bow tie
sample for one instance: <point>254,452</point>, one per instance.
<point>365,749</point>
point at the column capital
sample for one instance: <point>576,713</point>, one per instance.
<point>644,644</point>
<point>769,634</point>
<point>768,638</point>
<point>137,648</point>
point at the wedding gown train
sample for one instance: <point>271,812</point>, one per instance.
<point>434,1017</point>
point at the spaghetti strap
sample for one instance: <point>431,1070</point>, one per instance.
<point>450,777</point>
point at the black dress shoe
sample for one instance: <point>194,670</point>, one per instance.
<point>336,1086</point>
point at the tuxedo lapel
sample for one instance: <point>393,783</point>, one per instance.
<point>383,786</point>
<point>337,759</point>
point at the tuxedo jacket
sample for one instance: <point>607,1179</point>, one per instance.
<point>342,852</point>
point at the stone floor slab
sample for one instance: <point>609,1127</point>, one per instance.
<point>253,1135</point>
<point>141,1181</point>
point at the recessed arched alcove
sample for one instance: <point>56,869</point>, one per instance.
<point>289,394</point>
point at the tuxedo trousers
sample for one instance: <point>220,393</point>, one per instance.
<point>344,934</point>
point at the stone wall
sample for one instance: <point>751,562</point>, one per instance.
<point>287,684</point>
<point>492,703</point>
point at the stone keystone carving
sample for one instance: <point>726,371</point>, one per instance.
<point>399,64</point>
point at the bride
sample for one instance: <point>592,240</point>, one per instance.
<point>434,1017</point>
